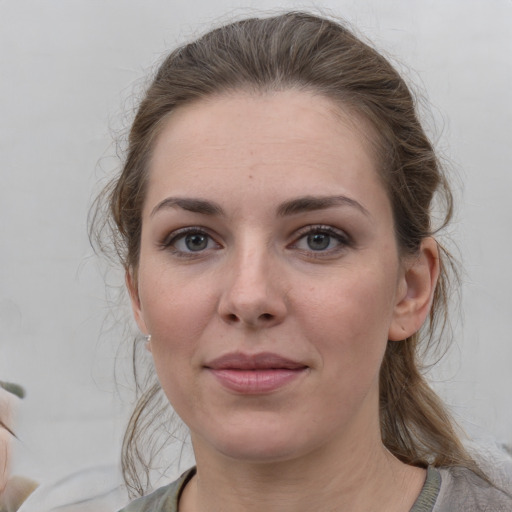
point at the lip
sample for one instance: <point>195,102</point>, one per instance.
<point>255,374</point>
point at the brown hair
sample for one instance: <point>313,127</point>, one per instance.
<point>306,52</point>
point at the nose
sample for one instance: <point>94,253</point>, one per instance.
<point>253,292</point>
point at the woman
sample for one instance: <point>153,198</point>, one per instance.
<point>273,218</point>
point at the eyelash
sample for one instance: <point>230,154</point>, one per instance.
<point>170,241</point>
<point>342,239</point>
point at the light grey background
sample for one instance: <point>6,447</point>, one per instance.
<point>67,72</point>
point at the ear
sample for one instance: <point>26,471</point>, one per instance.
<point>133,290</point>
<point>415,291</point>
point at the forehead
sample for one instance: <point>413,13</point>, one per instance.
<point>292,139</point>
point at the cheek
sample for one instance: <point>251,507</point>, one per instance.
<point>176,312</point>
<point>363,300</point>
<point>350,319</point>
<point>174,306</point>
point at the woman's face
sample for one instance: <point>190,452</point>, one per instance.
<point>269,276</point>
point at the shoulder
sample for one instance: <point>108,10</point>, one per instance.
<point>163,499</point>
<point>462,490</point>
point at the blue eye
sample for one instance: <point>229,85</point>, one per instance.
<point>318,241</point>
<point>321,239</point>
<point>195,242</point>
<point>189,241</point>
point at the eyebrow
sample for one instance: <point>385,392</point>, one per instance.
<point>292,207</point>
<point>313,203</point>
<point>201,206</point>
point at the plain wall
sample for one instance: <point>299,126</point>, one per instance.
<point>68,71</point>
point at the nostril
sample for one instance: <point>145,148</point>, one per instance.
<point>232,317</point>
<point>266,316</point>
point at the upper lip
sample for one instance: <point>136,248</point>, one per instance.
<point>261,361</point>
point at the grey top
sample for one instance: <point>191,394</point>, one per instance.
<point>444,490</point>
<point>462,490</point>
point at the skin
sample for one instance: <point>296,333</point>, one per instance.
<point>14,490</point>
<point>259,284</point>
<point>7,403</point>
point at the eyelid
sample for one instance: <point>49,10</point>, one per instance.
<point>178,234</point>
<point>343,238</point>
<point>322,228</point>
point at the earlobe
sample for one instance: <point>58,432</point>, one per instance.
<point>133,291</point>
<point>416,291</point>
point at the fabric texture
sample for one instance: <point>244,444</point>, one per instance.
<point>164,499</point>
<point>445,490</point>
<point>463,491</point>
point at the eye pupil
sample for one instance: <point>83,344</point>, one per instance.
<point>196,242</point>
<point>318,241</point>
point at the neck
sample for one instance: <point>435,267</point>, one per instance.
<point>347,477</point>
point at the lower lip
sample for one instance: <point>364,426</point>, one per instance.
<point>255,382</point>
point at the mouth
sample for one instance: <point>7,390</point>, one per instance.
<point>255,374</point>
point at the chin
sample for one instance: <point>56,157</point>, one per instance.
<point>261,440</point>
